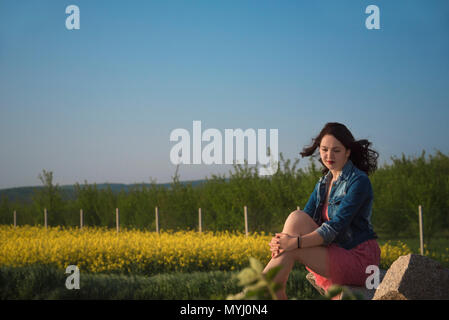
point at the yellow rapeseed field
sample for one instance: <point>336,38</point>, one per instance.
<point>144,252</point>
<point>102,249</point>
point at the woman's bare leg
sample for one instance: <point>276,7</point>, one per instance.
<point>298,223</point>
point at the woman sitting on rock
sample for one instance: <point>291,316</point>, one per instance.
<point>333,236</point>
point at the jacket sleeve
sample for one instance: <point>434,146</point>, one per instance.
<point>311,204</point>
<point>358,192</point>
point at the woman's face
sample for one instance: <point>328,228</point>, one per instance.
<point>333,153</point>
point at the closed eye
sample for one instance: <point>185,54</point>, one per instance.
<point>334,150</point>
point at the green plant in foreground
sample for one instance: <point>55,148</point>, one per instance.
<point>256,284</point>
<point>259,286</point>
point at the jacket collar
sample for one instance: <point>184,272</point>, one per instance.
<point>346,172</point>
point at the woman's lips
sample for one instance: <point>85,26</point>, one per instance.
<point>330,162</point>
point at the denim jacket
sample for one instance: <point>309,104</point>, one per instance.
<point>349,208</point>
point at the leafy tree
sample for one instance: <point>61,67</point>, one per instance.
<point>107,203</point>
<point>49,197</point>
<point>6,215</point>
<point>87,199</point>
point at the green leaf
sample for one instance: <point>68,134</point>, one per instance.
<point>255,264</point>
<point>251,293</point>
<point>333,291</point>
<point>258,286</point>
<point>247,276</point>
<point>272,273</point>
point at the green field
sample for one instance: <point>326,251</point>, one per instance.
<point>42,282</point>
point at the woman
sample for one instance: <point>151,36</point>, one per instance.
<point>333,236</point>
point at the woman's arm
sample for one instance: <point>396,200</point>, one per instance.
<point>358,192</point>
<point>312,239</point>
<point>283,241</point>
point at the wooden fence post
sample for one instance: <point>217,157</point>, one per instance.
<point>199,219</point>
<point>45,217</point>
<point>117,220</point>
<point>81,219</point>
<point>246,221</point>
<point>157,219</point>
<point>15,219</point>
<point>421,239</point>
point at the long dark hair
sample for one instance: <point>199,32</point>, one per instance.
<point>361,155</point>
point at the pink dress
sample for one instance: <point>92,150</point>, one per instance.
<point>347,267</point>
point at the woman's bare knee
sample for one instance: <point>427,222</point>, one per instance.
<point>299,223</point>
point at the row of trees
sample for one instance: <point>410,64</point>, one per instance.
<point>398,190</point>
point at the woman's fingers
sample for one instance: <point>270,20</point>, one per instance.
<point>275,245</point>
<point>278,235</point>
<point>274,242</point>
<point>274,251</point>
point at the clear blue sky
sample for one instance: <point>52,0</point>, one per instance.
<point>99,103</point>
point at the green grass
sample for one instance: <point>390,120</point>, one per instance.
<point>43,282</point>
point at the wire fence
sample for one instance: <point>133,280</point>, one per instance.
<point>200,223</point>
<point>156,219</point>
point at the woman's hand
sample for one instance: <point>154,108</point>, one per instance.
<point>274,247</point>
<point>282,242</point>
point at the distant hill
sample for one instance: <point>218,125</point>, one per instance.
<point>25,194</point>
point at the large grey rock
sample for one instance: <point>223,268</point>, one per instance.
<point>414,277</point>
